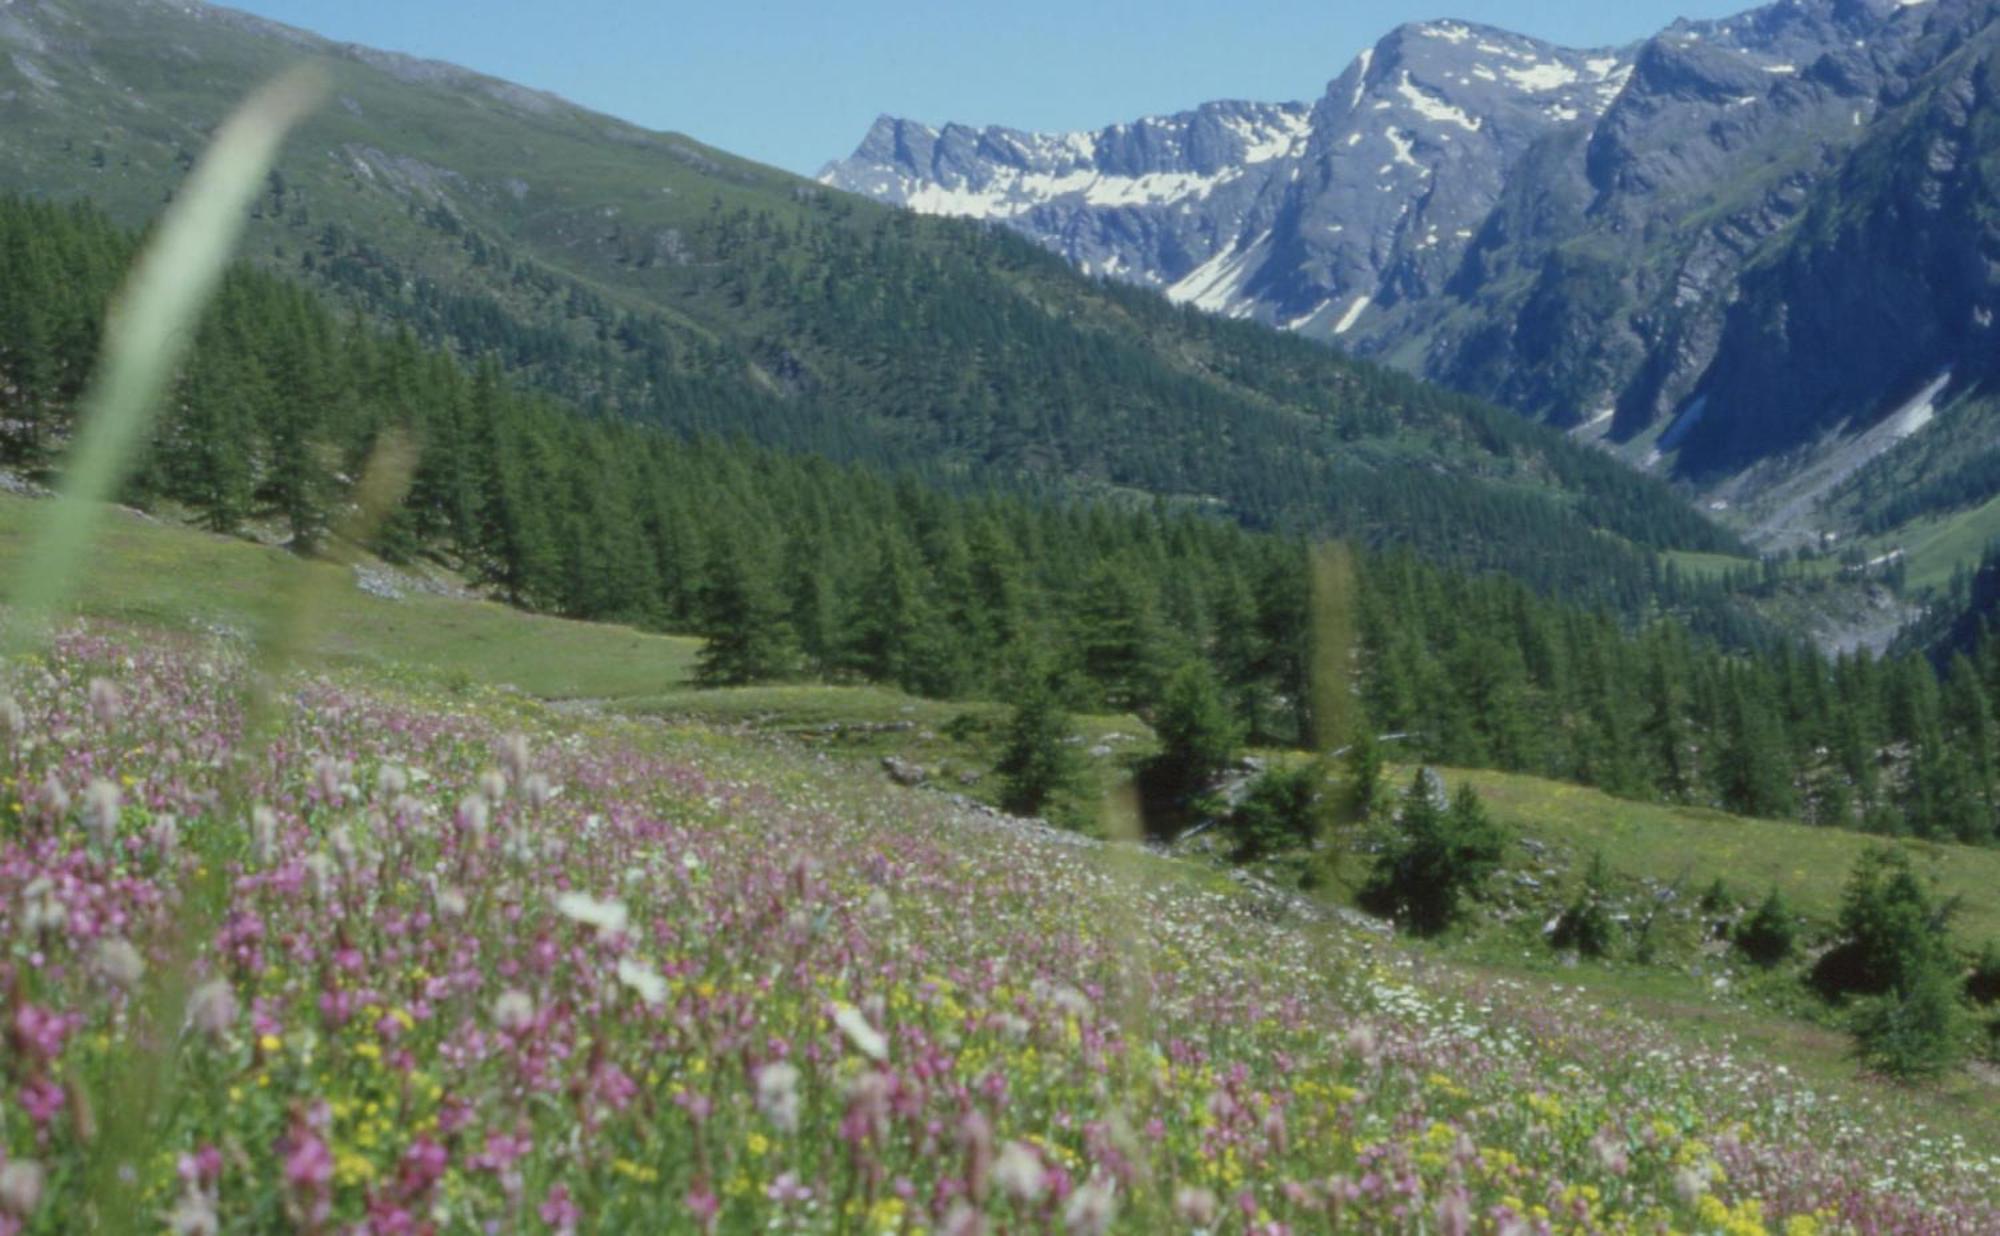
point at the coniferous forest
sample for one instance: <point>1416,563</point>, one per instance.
<point>796,567</point>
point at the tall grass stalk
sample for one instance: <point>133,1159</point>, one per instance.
<point>146,336</point>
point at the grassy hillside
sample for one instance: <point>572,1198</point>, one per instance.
<point>669,976</point>
<point>146,571</point>
<point>1695,847</point>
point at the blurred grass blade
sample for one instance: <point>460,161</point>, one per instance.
<point>1336,634</point>
<point>148,331</point>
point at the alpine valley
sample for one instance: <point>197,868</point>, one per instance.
<point>555,679</point>
<point>1758,256</point>
<point>643,276</point>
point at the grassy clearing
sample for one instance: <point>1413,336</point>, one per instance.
<point>153,573</point>
<point>171,577</point>
<point>1666,843</point>
<point>1707,566</point>
<point>1939,547</point>
<point>956,742</point>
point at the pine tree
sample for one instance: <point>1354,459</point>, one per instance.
<point>743,621</point>
<point>1666,730</point>
<point>1199,735</point>
<point>1769,935</point>
<point>1888,923</point>
<point>1438,853</point>
<point>1282,810</point>
<point>1118,637</point>
<point>1585,925</point>
<point>1754,770</point>
<point>1038,761</point>
<point>1364,773</point>
<point>205,455</point>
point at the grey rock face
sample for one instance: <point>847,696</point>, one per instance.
<point>1603,238</point>
<point>1147,201</point>
<point>1292,212</point>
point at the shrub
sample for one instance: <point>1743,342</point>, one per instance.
<point>1199,735</point>
<point>1585,925</point>
<point>1364,774</point>
<point>1037,763</point>
<point>1769,935</point>
<point>1915,1032</point>
<point>1718,899</point>
<point>1282,811</point>
<point>1436,854</point>
<point>1983,984</point>
<point>1894,947</point>
<point>1888,927</point>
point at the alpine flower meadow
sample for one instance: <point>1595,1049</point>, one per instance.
<point>394,959</point>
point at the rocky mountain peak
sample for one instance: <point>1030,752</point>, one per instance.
<point>1561,229</point>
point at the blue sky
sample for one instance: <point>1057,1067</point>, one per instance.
<point>797,82</point>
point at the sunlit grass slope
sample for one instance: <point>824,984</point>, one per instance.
<point>1696,846</point>
<point>147,571</point>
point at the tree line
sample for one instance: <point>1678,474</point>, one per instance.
<point>796,566</point>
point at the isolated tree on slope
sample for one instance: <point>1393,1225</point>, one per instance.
<point>1438,853</point>
<point>1038,763</point>
<point>1896,944</point>
<point>1198,731</point>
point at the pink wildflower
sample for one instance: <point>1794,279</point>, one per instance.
<point>558,1211</point>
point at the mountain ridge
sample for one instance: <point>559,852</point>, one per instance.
<point>1567,232</point>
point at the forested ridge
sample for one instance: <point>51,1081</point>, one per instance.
<point>884,343</point>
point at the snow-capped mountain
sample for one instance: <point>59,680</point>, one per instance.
<point>1564,230</point>
<point>1133,200</point>
<point>1195,203</point>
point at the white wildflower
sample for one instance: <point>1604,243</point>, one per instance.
<point>45,911</point>
<point>20,1187</point>
<point>866,1039</point>
<point>608,917</point>
<point>514,1011</point>
<point>516,755</point>
<point>778,1094</point>
<point>1090,1209</point>
<point>1690,1183</point>
<point>321,869</point>
<point>194,1215</point>
<point>164,835</point>
<point>1196,1207</point>
<point>101,806</point>
<point>263,835</point>
<point>212,1008</point>
<point>493,786</point>
<point>119,962</point>
<point>473,813</point>
<point>54,798</point>
<point>1020,1174</point>
<point>106,704</point>
<point>538,790</point>
<point>643,979</point>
